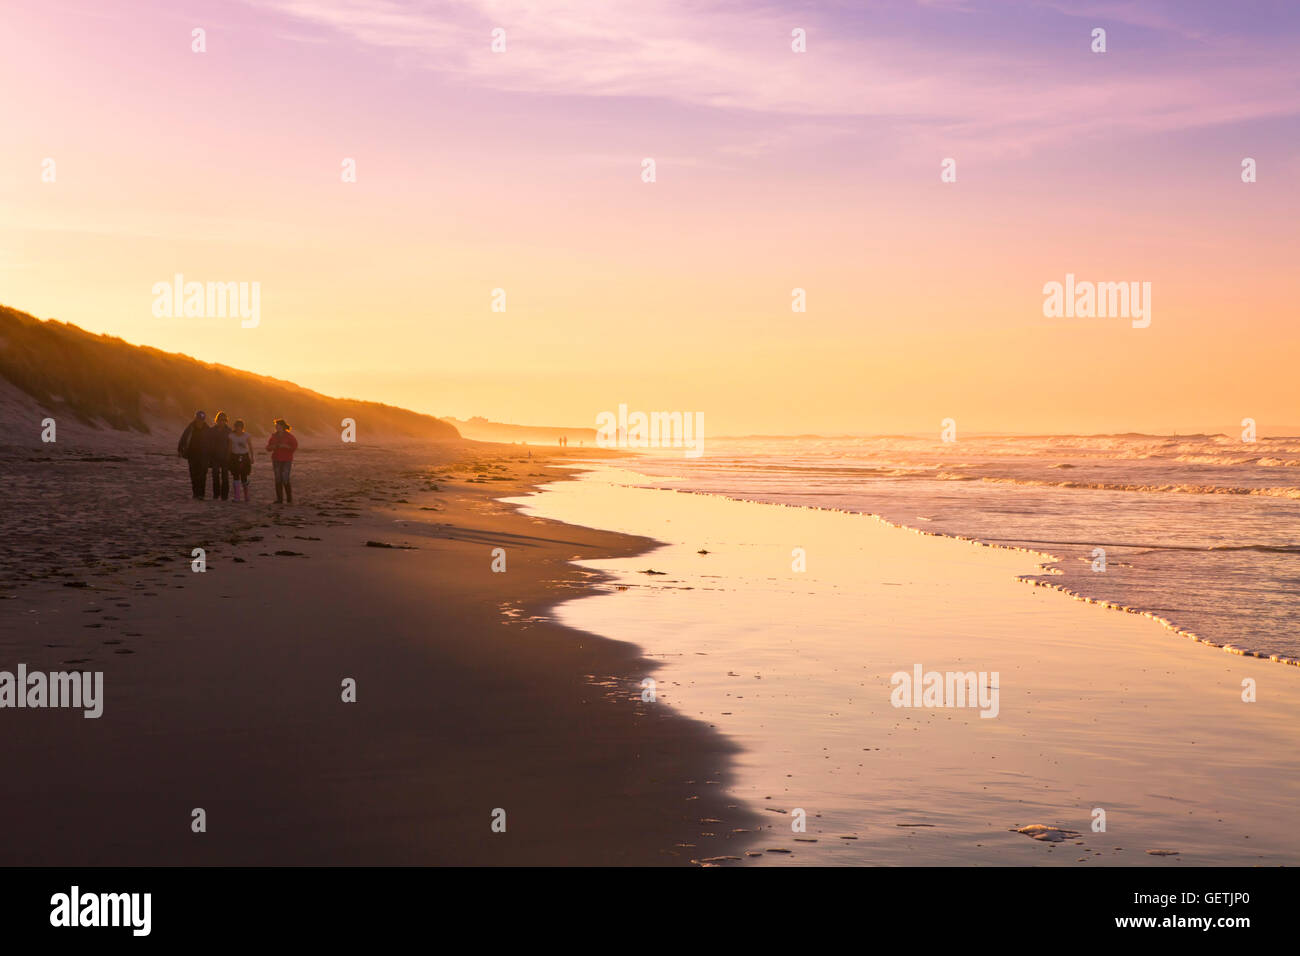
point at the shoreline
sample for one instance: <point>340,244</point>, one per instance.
<point>223,689</point>
<point>472,685</point>
<point>1095,711</point>
<point>1039,578</point>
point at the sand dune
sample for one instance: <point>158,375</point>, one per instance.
<point>91,383</point>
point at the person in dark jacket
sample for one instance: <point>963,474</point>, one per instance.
<point>218,441</point>
<point>194,447</point>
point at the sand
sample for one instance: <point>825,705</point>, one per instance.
<point>223,689</point>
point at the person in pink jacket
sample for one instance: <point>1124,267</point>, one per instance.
<point>282,445</point>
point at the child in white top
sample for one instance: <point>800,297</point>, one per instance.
<point>241,459</point>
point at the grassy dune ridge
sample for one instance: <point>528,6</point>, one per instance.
<point>102,381</point>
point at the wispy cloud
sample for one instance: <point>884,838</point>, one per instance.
<point>723,58</point>
<point>1151,15</point>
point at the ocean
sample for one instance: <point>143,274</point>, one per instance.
<point>1200,530</point>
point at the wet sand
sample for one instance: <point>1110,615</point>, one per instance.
<point>223,689</point>
<point>1097,709</point>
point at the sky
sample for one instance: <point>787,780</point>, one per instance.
<point>775,170</point>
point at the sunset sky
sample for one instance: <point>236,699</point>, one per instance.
<point>821,170</point>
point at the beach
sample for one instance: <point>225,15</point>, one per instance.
<point>616,673</point>
<point>844,437</point>
<point>224,690</point>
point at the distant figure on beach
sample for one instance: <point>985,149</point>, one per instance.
<point>193,446</point>
<point>281,445</point>
<point>241,459</point>
<point>218,440</point>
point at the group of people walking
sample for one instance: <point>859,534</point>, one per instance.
<point>227,453</point>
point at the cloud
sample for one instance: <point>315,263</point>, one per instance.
<point>1150,15</point>
<point>1013,97</point>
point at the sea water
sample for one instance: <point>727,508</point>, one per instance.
<point>1202,530</point>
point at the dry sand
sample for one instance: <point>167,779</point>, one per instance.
<point>223,689</point>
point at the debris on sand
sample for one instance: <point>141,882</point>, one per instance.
<point>1038,831</point>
